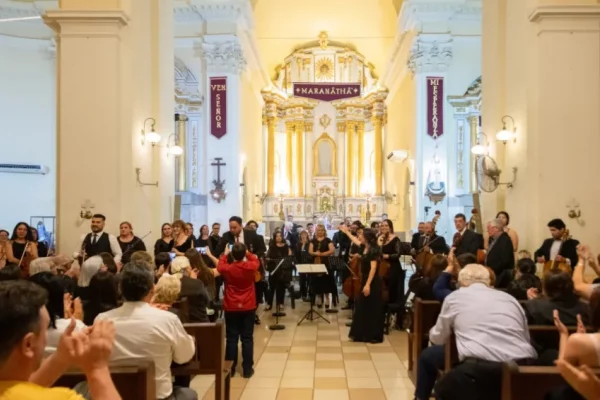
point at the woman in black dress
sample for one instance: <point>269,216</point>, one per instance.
<point>302,257</point>
<point>165,243</point>
<point>367,323</point>
<point>128,242</point>
<point>391,249</point>
<point>42,246</point>
<point>277,281</point>
<point>321,246</point>
<point>182,241</point>
<point>21,242</point>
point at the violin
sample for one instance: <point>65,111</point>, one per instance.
<point>26,259</point>
<point>562,265</point>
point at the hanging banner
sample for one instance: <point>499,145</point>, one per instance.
<point>435,107</point>
<point>218,106</point>
<point>327,91</point>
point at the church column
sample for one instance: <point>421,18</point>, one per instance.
<point>289,130</point>
<point>308,155</point>
<point>182,167</point>
<point>271,124</point>
<point>350,126</point>
<point>224,59</point>
<point>100,47</point>
<point>300,158</point>
<point>378,149</point>
<point>360,135</point>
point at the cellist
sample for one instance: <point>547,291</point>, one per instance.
<point>435,244</point>
<point>557,249</point>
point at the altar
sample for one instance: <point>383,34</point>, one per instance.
<point>324,119</point>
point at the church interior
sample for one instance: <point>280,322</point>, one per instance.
<point>313,112</point>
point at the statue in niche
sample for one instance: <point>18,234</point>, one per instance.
<point>325,160</point>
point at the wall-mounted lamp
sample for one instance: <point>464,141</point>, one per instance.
<point>390,198</point>
<point>260,198</point>
<point>479,149</point>
<point>152,136</point>
<point>575,211</point>
<point>398,155</point>
<point>505,134</point>
<point>175,149</point>
<point>86,210</point>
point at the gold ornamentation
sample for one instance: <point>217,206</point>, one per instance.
<point>323,39</point>
<point>325,121</point>
<point>324,69</point>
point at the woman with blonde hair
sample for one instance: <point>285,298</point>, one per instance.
<point>166,292</point>
<point>128,242</point>
<point>192,288</point>
<point>181,240</point>
<point>321,247</point>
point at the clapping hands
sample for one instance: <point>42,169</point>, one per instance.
<point>88,349</point>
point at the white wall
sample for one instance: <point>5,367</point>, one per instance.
<point>27,129</point>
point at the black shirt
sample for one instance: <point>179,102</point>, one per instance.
<point>128,248</point>
<point>163,247</point>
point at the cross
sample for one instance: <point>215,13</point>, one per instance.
<point>218,164</point>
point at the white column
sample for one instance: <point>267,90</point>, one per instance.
<point>224,58</point>
<point>111,77</point>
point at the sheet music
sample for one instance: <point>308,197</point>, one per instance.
<point>311,268</point>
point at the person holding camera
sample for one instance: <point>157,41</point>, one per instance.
<point>238,266</point>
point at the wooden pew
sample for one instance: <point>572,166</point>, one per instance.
<point>530,383</point>
<point>209,358</point>
<point>425,316</point>
<point>183,307</point>
<point>134,380</point>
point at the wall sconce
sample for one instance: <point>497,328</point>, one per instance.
<point>175,149</point>
<point>260,198</point>
<point>152,137</point>
<point>479,149</point>
<point>505,134</point>
<point>574,211</point>
<point>86,210</point>
<point>390,198</point>
<point>398,155</point>
<point>138,171</point>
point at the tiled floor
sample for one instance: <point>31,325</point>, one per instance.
<point>317,361</point>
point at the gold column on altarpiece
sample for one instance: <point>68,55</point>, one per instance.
<point>271,124</point>
<point>182,159</point>
<point>378,153</point>
<point>289,129</point>
<point>300,158</point>
<point>473,125</point>
<point>360,134</point>
<point>350,130</point>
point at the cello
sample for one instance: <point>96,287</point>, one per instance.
<point>352,285</point>
<point>563,266</point>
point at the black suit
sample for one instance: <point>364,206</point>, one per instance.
<point>254,242</point>
<point>501,258</point>
<point>414,243</point>
<point>437,244</point>
<point>470,243</point>
<point>292,238</point>
<point>568,250</point>
<point>197,296</point>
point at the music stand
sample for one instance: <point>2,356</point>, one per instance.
<point>305,258</point>
<point>283,263</point>
<point>312,270</point>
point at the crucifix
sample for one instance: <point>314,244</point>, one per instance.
<point>219,164</point>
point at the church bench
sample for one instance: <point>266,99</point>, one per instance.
<point>530,383</point>
<point>209,358</point>
<point>134,380</point>
<point>424,318</point>
<point>183,307</point>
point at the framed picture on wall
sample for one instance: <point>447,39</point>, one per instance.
<point>46,227</point>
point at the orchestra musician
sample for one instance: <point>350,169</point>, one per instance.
<point>432,242</point>
<point>321,248</point>
<point>391,250</point>
<point>465,240</point>
<point>554,249</point>
<point>128,242</point>
<point>279,279</point>
<point>98,241</point>
<point>349,251</point>
<point>21,248</point>
<point>3,242</point>
<point>500,256</point>
<point>417,237</point>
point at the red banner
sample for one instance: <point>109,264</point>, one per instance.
<point>327,91</point>
<point>435,107</point>
<point>218,107</point>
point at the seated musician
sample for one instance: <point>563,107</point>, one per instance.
<point>465,240</point>
<point>500,256</point>
<point>434,243</point>
<point>555,249</point>
<point>418,237</point>
<point>443,285</point>
<point>490,328</point>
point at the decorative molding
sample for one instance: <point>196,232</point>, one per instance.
<point>224,56</point>
<point>86,23</point>
<point>236,11</point>
<point>565,11</point>
<point>24,11</point>
<point>413,13</point>
<point>187,97</point>
<point>430,55</point>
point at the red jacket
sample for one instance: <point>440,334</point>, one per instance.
<point>239,283</point>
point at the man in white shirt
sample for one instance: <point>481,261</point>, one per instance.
<point>96,242</point>
<point>490,328</point>
<point>143,331</point>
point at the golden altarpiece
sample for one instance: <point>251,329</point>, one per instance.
<point>324,159</point>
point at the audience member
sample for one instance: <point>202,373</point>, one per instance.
<point>90,267</point>
<point>103,296</point>
<point>238,268</point>
<point>525,279</point>
<point>10,272</point>
<point>162,263</point>
<point>166,292</point>
<point>422,284</point>
<point>192,288</point>
<point>143,331</point>
<point>443,285</point>
<point>23,372</point>
<point>108,263</point>
<point>141,255</point>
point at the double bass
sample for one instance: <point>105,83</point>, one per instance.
<point>553,264</point>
